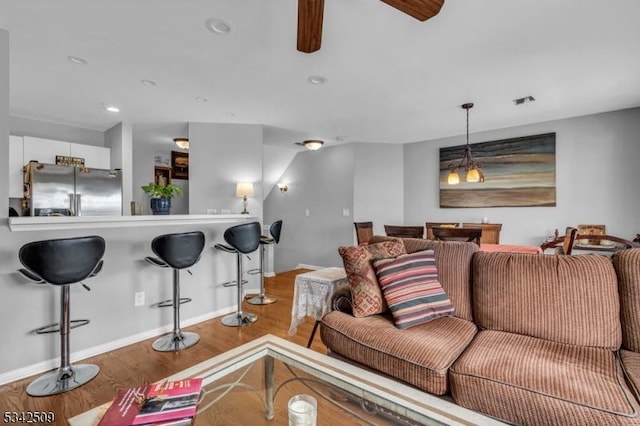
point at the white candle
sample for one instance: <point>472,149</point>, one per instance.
<point>302,411</point>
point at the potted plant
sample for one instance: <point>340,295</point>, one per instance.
<point>161,195</point>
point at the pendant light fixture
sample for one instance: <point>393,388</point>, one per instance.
<point>472,169</point>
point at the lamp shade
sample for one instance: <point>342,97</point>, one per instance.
<point>244,189</point>
<point>453,178</point>
<point>473,175</point>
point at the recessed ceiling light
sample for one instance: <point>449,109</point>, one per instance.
<point>148,82</point>
<point>317,79</point>
<point>111,108</point>
<point>77,60</point>
<point>201,99</point>
<point>219,26</point>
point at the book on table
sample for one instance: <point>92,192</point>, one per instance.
<point>165,403</point>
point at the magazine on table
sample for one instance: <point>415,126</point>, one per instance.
<point>160,404</point>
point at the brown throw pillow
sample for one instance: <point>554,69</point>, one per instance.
<point>365,292</point>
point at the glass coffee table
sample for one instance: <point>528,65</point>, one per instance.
<point>252,384</point>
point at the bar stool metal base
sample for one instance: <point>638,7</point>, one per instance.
<point>261,299</point>
<point>239,319</point>
<point>61,380</point>
<point>175,342</point>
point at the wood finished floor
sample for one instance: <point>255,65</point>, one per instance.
<point>139,363</point>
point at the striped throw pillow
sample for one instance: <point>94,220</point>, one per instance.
<point>411,289</point>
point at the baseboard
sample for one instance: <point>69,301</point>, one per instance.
<point>305,266</point>
<point>41,367</point>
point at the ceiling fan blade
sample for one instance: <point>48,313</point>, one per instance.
<point>310,25</point>
<point>419,9</point>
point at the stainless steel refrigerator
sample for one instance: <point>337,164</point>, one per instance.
<point>52,190</point>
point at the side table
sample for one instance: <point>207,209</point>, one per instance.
<point>312,296</point>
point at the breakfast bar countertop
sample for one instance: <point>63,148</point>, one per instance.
<point>45,223</point>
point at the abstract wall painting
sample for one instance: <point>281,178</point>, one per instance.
<point>519,172</point>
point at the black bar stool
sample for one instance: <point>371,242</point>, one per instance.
<point>177,251</point>
<point>62,262</point>
<point>274,230</point>
<point>242,239</point>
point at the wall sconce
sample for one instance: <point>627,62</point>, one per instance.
<point>244,190</point>
<point>282,187</point>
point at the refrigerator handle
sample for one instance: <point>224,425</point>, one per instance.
<point>72,204</point>
<point>78,204</point>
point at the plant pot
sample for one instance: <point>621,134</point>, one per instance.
<point>161,205</point>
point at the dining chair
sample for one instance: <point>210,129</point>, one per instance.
<point>430,225</point>
<point>404,231</point>
<point>569,239</point>
<point>457,234</point>
<point>564,244</point>
<point>364,231</point>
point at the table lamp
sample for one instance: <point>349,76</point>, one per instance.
<point>244,190</point>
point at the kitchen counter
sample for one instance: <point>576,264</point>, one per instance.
<point>116,320</point>
<point>45,223</point>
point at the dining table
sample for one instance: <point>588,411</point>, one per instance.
<point>510,248</point>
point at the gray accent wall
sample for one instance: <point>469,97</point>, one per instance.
<point>364,178</point>
<point>378,178</point>
<point>597,159</point>
<point>321,182</point>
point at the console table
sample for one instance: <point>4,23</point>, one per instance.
<point>490,231</point>
<point>312,296</point>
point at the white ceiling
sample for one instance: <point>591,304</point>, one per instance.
<point>390,78</point>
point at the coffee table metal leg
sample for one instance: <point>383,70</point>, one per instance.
<point>268,386</point>
<point>313,333</point>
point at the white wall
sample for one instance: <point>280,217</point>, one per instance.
<point>378,181</point>
<point>4,123</point>
<point>275,160</point>
<point>221,155</point>
<point>120,138</point>
<point>597,159</point>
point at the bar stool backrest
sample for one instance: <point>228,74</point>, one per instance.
<point>180,250</point>
<point>275,229</point>
<point>244,237</point>
<point>63,261</point>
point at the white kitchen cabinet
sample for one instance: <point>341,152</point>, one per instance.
<point>15,166</point>
<point>44,150</point>
<point>97,157</point>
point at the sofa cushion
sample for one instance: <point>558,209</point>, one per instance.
<point>631,364</point>
<point>567,299</point>
<point>453,259</point>
<point>627,265</point>
<point>411,289</point>
<point>526,380</point>
<point>420,355</point>
<point>365,292</point>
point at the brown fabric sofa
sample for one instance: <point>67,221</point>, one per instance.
<point>537,339</point>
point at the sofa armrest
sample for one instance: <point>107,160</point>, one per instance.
<point>341,300</point>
